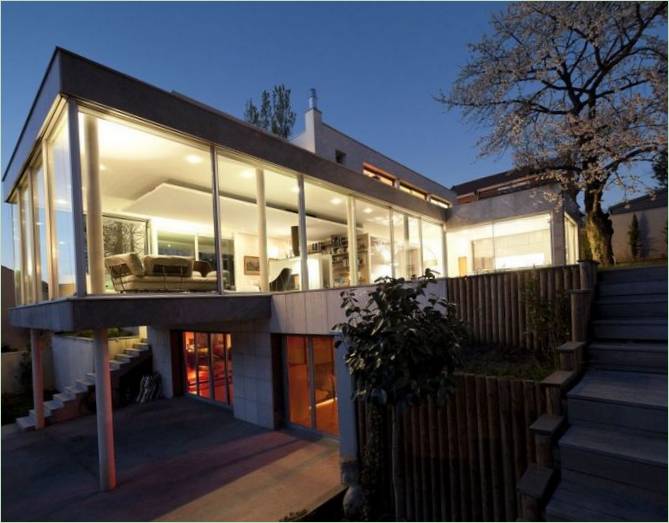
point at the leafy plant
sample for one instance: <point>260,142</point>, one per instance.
<point>548,318</point>
<point>403,347</point>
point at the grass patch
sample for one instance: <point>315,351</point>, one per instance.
<point>492,361</point>
<point>114,332</point>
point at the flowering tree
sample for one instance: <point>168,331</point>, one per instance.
<point>578,91</point>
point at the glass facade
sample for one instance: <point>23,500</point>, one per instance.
<point>60,181</point>
<point>151,199</point>
<point>311,391</point>
<point>503,245</point>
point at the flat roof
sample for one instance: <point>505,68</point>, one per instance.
<point>71,75</point>
<point>653,200</point>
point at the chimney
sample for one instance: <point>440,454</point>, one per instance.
<point>313,99</point>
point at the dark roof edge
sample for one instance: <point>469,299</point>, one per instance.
<point>54,54</point>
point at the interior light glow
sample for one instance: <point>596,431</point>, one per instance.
<point>246,174</point>
<point>194,159</point>
<point>335,201</point>
<point>367,210</point>
<point>295,189</point>
<point>103,167</point>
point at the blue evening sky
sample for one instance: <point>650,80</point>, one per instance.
<point>375,66</point>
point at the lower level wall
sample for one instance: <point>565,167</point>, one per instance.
<point>652,234</point>
<point>11,370</point>
<point>252,375</point>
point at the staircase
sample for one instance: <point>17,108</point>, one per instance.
<point>74,401</point>
<point>614,453</point>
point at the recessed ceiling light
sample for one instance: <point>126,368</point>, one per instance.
<point>367,210</point>
<point>194,158</point>
<point>336,201</point>
<point>61,201</point>
<point>295,189</point>
<point>103,167</point>
<point>246,174</point>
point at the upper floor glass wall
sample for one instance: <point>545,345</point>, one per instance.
<point>508,244</point>
<point>149,219</point>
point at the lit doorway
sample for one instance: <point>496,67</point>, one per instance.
<point>311,394</point>
<point>208,365</point>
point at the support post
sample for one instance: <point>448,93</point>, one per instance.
<point>302,231</point>
<point>38,377</point>
<point>587,271</point>
<point>391,221</point>
<point>580,313</point>
<point>103,403</point>
<point>352,241</point>
<point>94,231</point>
<point>262,230</point>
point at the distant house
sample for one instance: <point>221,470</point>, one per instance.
<point>651,211</point>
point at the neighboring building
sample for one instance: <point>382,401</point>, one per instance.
<point>510,220</point>
<point>651,212</point>
<point>137,207</point>
<point>331,144</point>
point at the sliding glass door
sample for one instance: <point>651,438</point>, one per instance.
<point>311,394</point>
<point>208,365</point>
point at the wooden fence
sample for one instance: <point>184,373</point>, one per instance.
<point>494,305</point>
<point>461,462</point>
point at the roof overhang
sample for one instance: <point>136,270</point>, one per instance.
<point>71,75</point>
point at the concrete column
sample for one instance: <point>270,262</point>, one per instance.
<point>38,377</point>
<point>94,236</point>
<point>262,230</point>
<point>421,269</point>
<point>352,241</point>
<point>103,411</point>
<point>444,251</point>
<point>302,229</point>
<point>348,440</point>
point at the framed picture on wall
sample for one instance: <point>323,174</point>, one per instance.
<point>251,265</point>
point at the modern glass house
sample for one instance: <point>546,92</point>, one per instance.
<point>133,206</point>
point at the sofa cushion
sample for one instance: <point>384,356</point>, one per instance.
<point>181,266</point>
<point>124,264</point>
<point>164,284</point>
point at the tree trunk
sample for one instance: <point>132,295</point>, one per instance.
<point>598,227</point>
<point>398,481</point>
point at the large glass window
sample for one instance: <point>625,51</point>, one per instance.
<point>311,387</point>
<point>156,201</point>
<point>508,244</point>
<point>327,237</point>
<point>406,239</point>
<point>373,237</point>
<point>58,152</point>
<point>208,365</point>
<point>18,263</point>
<point>25,203</point>
<point>39,202</point>
<point>433,247</point>
<point>283,246</point>
<point>571,240</point>
<point>239,225</point>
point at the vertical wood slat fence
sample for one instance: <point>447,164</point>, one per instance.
<point>461,462</point>
<point>493,307</point>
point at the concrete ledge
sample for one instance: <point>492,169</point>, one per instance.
<point>92,312</point>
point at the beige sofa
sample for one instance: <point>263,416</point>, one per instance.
<point>159,274</point>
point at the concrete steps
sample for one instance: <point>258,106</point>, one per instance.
<point>613,456</point>
<point>626,399</point>
<point>629,457</point>
<point>652,329</point>
<point>67,405</point>
<point>581,497</point>
<point>635,306</point>
<point>634,356</point>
